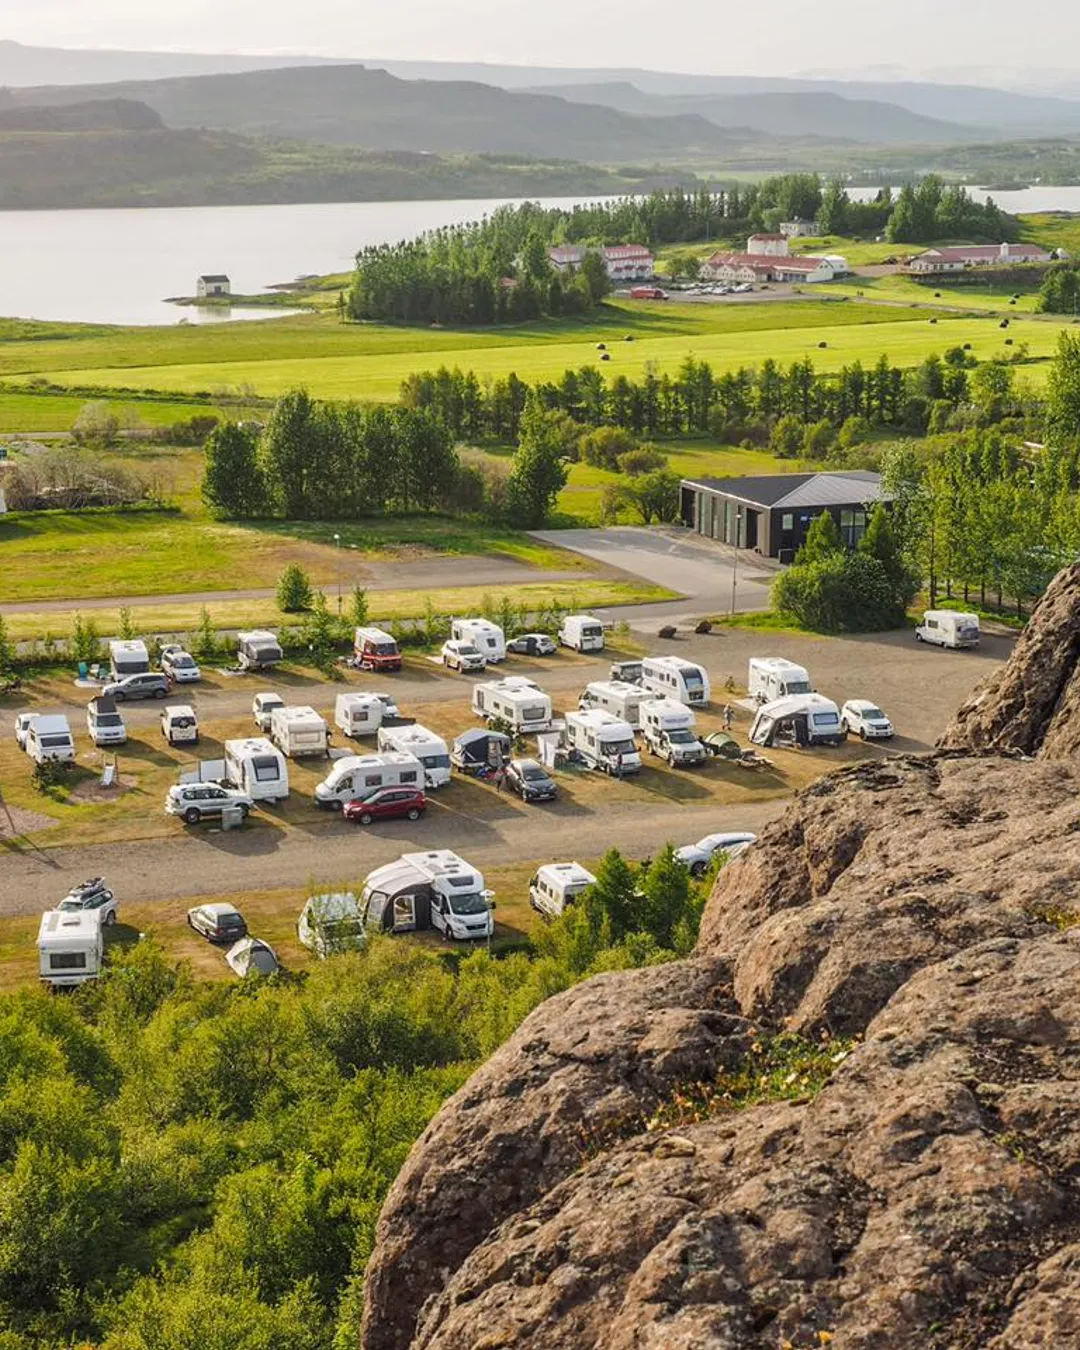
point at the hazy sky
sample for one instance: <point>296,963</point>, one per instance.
<point>710,36</point>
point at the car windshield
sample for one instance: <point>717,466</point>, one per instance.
<point>628,747</point>
<point>181,659</point>
<point>799,687</point>
<point>826,719</point>
<point>692,679</point>
<point>435,761</point>
<point>533,773</point>
<point>475,902</point>
<point>682,737</point>
<point>182,721</point>
<point>266,769</point>
<point>468,651</point>
<point>109,720</point>
<point>591,630</point>
<point>875,714</point>
<point>55,742</point>
<point>384,648</point>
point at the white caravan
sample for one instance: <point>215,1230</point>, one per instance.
<point>375,650</point>
<point>948,628</point>
<point>354,776</point>
<point>359,714</point>
<point>331,924</point>
<point>49,737</point>
<point>299,731</point>
<point>70,946</point>
<point>487,637</point>
<point>603,742</point>
<point>674,677</point>
<point>802,719</point>
<point>257,768</point>
<point>557,885</point>
<point>431,750</point>
<point>582,632</point>
<point>668,730</point>
<point>617,697</point>
<point>428,890</point>
<point>128,658</point>
<point>773,677</point>
<point>521,704</point>
<point>257,649</point>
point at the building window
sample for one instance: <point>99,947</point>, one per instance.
<point>787,522</point>
<point>852,526</point>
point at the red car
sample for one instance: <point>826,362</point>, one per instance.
<point>388,803</point>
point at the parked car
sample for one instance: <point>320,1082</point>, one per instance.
<point>252,956</point>
<point>104,724</point>
<point>389,702</point>
<point>22,728</point>
<point>531,781</point>
<point>532,644</point>
<point>152,684</point>
<point>629,672</point>
<point>217,922</point>
<point>866,720</point>
<point>386,803</point>
<point>179,665</point>
<point>697,857</point>
<point>92,894</point>
<point>262,709</point>
<point>197,801</point>
<point>462,656</point>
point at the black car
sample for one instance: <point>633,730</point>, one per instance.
<point>531,781</point>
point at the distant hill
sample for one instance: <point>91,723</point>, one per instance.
<point>112,114</point>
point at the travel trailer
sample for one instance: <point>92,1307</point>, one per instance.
<point>330,924</point>
<point>258,768</point>
<point>674,677</point>
<point>70,946</point>
<point>603,742</point>
<point>104,723</point>
<point>582,632</point>
<point>801,719</point>
<point>617,697</point>
<point>375,650</point>
<point>353,776</point>
<point>128,658</point>
<point>359,714</point>
<point>773,677</point>
<point>520,703</point>
<point>258,649</point>
<point>948,628</point>
<point>668,730</point>
<point>179,725</point>
<point>428,890</point>
<point>429,749</point>
<point>557,885</point>
<point>487,637</point>
<point>49,737</point>
<point>299,731</point>
<point>479,749</point>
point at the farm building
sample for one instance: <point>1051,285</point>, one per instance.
<point>943,260</point>
<point>754,267</point>
<point>209,286</point>
<point>771,514</point>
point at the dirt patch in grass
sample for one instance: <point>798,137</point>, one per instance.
<point>17,821</point>
<point>90,792</point>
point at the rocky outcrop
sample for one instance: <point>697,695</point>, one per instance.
<point>926,1196</point>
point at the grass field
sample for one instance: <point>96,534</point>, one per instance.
<point>988,295</point>
<point>57,412</point>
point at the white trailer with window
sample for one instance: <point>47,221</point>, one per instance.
<point>257,768</point>
<point>355,776</point>
<point>603,742</point>
<point>257,649</point>
<point>431,750</point>
<point>128,658</point>
<point>617,697</point>
<point>557,885</point>
<point>949,628</point>
<point>359,714</point>
<point>519,703</point>
<point>773,677</point>
<point>668,730</point>
<point>70,946</point>
<point>487,637</point>
<point>674,677</point>
<point>299,731</point>
<point>49,737</point>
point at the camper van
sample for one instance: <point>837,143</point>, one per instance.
<point>773,677</point>
<point>375,650</point>
<point>179,725</point>
<point>257,768</point>
<point>521,704</point>
<point>428,890</point>
<point>429,749</point>
<point>330,924</point>
<point>128,658</point>
<point>49,737</point>
<point>948,628</point>
<point>557,885</point>
<point>674,677</point>
<point>353,776</point>
<point>582,632</point>
<point>69,946</point>
<point>258,649</point>
<point>603,742</point>
<point>359,714</point>
<point>616,697</point>
<point>104,723</point>
<point>668,731</point>
<point>299,731</point>
<point>801,719</point>
<point>487,637</point>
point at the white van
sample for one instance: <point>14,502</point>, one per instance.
<point>668,730</point>
<point>949,628</point>
<point>375,650</point>
<point>49,737</point>
<point>331,924</point>
<point>603,742</point>
<point>518,702</point>
<point>257,768</point>
<point>431,750</point>
<point>128,658</point>
<point>487,637</point>
<point>582,632</point>
<point>258,648</point>
<point>179,725</point>
<point>104,723</point>
<point>773,677</point>
<point>299,731</point>
<point>354,776</point>
<point>616,697</point>
<point>557,885</point>
<point>674,677</point>
<point>802,719</point>
<point>70,946</point>
<point>359,714</point>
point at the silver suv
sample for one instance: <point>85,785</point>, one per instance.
<point>198,801</point>
<point>152,684</point>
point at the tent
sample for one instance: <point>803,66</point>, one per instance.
<point>799,719</point>
<point>478,749</point>
<point>397,899</point>
<point>252,956</point>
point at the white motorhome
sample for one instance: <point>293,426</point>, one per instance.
<point>354,776</point>
<point>330,924</point>
<point>431,750</point>
<point>299,731</point>
<point>949,628</point>
<point>428,890</point>
<point>375,650</point>
<point>674,677</point>
<point>557,885</point>
<point>518,702</point>
<point>617,697</point>
<point>487,637</point>
<point>70,946</point>
<point>668,730</point>
<point>359,714</point>
<point>49,737</point>
<point>773,677</point>
<point>603,742</point>
<point>582,632</point>
<point>257,649</point>
<point>801,719</point>
<point>128,658</point>
<point>257,768</point>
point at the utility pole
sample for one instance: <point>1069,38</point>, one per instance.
<point>337,547</point>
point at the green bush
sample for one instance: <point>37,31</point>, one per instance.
<point>840,593</point>
<point>294,593</point>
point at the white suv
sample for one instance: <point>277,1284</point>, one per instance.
<point>866,719</point>
<point>458,655</point>
<point>197,801</point>
<point>180,666</point>
<point>262,709</point>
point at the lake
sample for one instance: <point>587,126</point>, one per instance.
<point>1018,201</point>
<point>121,266</point>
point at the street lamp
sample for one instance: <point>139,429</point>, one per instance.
<point>735,557</point>
<point>337,546</point>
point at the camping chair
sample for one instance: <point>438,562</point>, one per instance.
<point>84,670</point>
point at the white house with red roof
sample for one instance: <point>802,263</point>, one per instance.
<point>736,268</point>
<point>768,245</point>
<point>938,260</point>
<point>624,262</point>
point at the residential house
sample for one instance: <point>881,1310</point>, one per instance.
<point>209,286</point>
<point>800,229</point>
<point>768,245</point>
<point>624,262</point>
<point>738,268</point>
<point>943,260</point>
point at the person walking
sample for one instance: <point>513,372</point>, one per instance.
<point>618,765</point>
<point>729,716</point>
<point>500,777</point>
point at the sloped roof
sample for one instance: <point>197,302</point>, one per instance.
<point>845,487</point>
<point>216,277</point>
